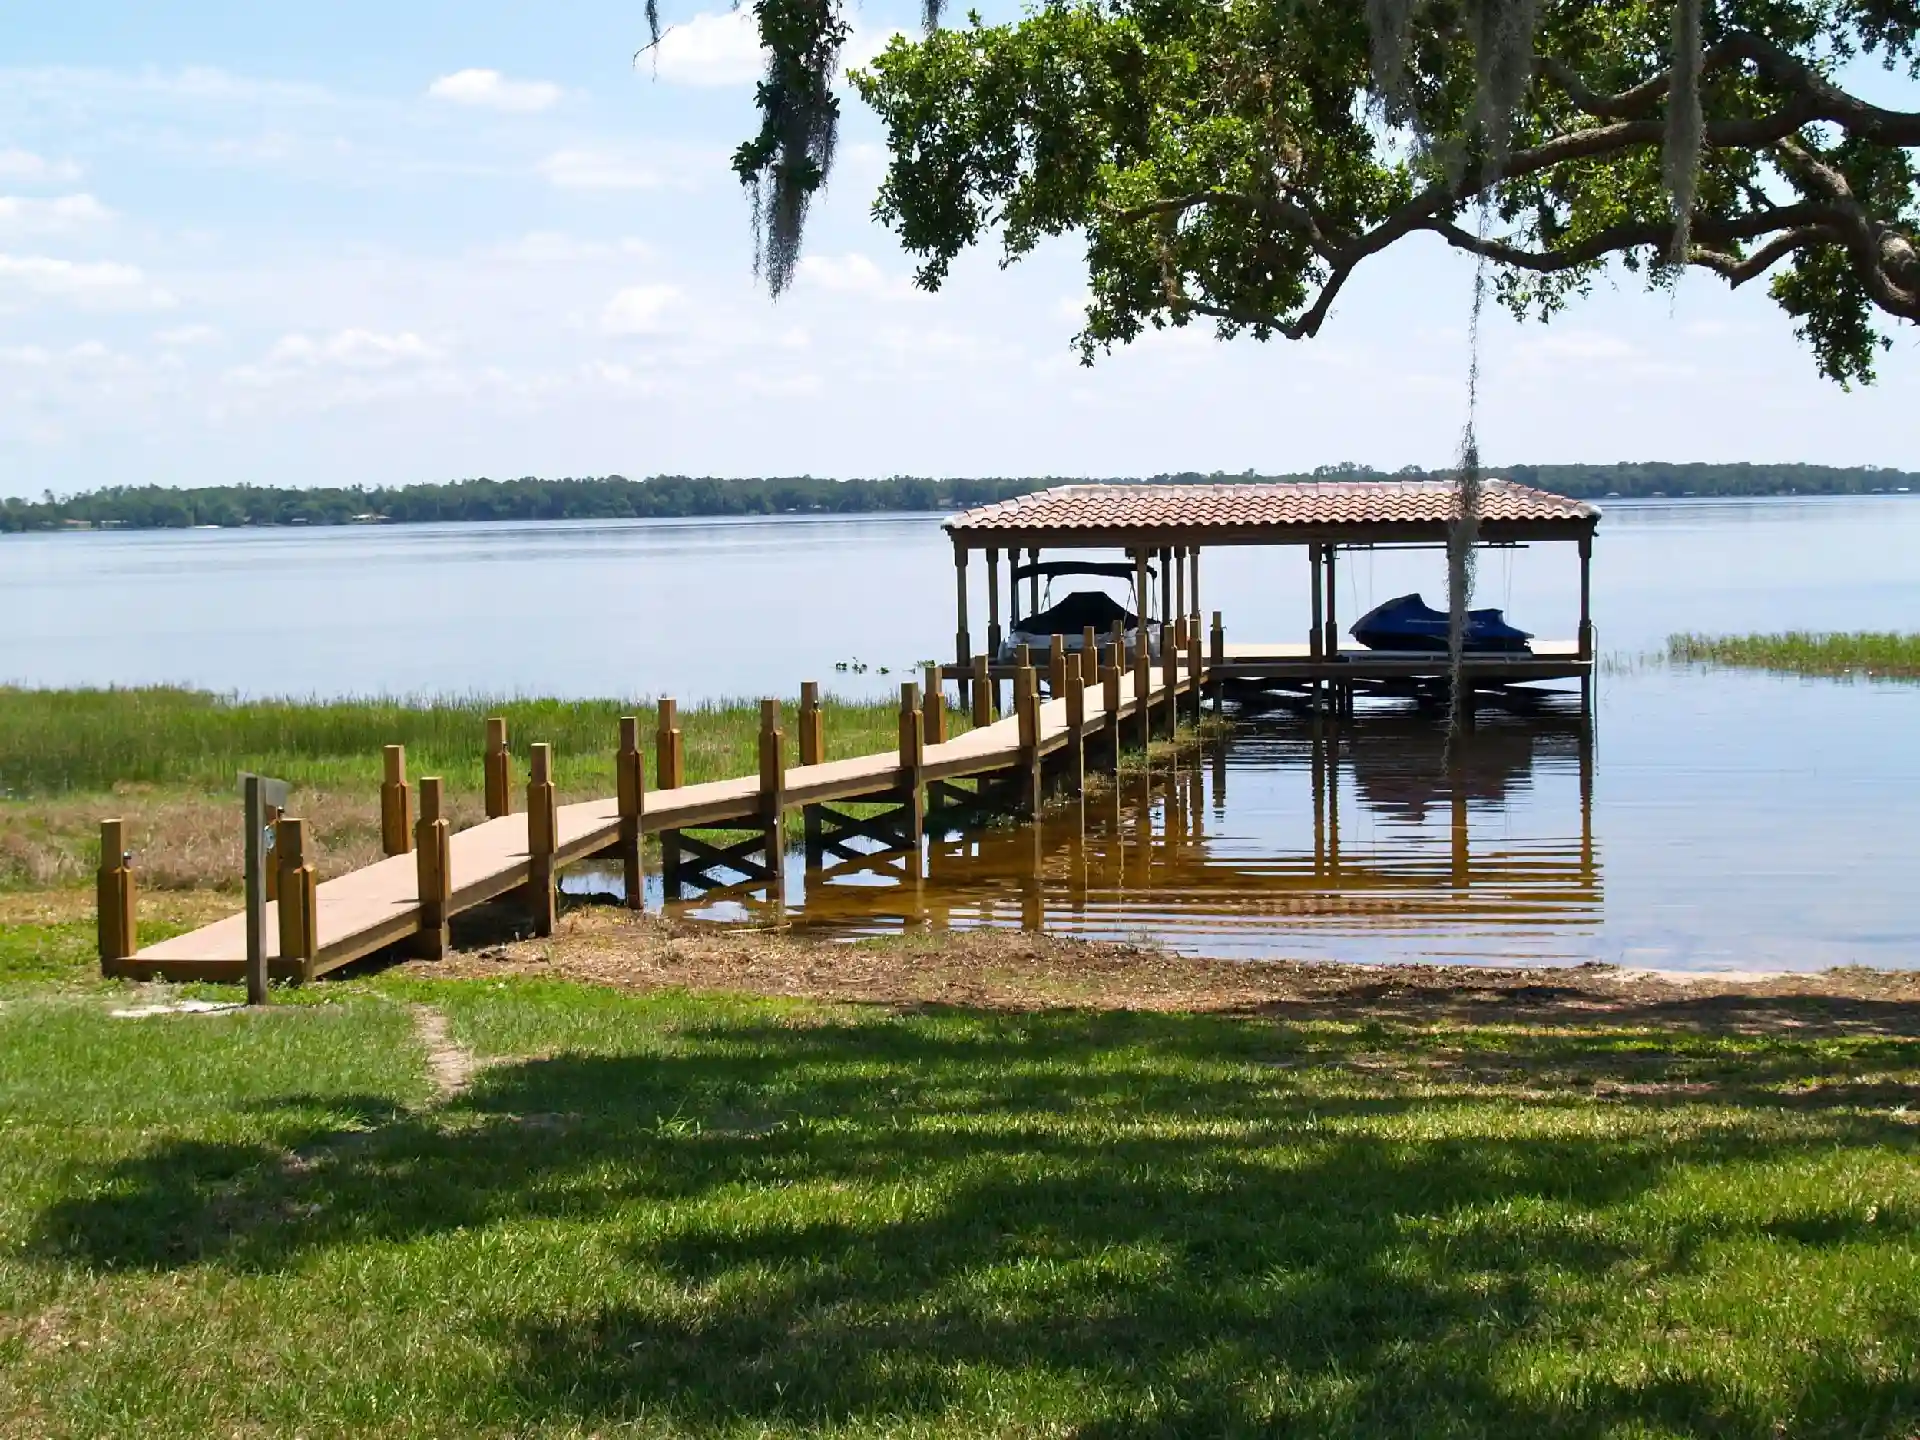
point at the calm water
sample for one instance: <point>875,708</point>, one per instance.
<point>1716,821</point>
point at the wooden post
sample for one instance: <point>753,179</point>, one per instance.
<point>1089,656</point>
<point>1026,704</point>
<point>1316,636</point>
<point>543,838</point>
<point>993,604</point>
<point>933,708</point>
<point>1193,666</point>
<point>1110,698</point>
<point>1193,583</point>
<point>1056,665</point>
<point>433,870</point>
<point>497,770</point>
<point>1076,731</point>
<point>982,693</point>
<point>1218,653</point>
<point>253,872</point>
<point>813,723</point>
<point>1142,600</point>
<point>630,790</point>
<point>1332,646</point>
<point>299,908</point>
<point>114,900</point>
<point>396,806</point>
<point>773,801</point>
<point>913,763</point>
<point>1166,587</point>
<point>962,642</point>
<point>1013,588</point>
<point>1180,583</point>
<point>669,773</point>
<point>1170,679</point>
<point>1033,581</point>
<point>1143,695</point>
<point>1586,597</point>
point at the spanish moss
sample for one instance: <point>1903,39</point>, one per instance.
<point>1503,33</point>
<point>1465,529</point>
<point>1680,159</point>
<point>1390,25</point>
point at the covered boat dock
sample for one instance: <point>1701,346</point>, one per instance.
<point>1162,530</point>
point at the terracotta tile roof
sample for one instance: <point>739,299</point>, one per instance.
<point>1255,506</point>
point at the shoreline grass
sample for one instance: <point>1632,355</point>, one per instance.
<point>1874,654</point>
<point>406,1207</point>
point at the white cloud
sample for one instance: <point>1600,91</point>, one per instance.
<point>26,214</point>
<point>351,349</point>
<point>102,284</point>
<point>491,90</point>
<point>855,274</point>
<point>602,170</point>
<point>711,49</point>
<point>183,335</point>
<point>641,310</point>
<point>549,247</point>
<point>25,165</point>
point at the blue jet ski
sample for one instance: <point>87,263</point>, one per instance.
<point>1409,623</point>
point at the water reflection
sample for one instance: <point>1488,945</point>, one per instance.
<point>1298,836</point>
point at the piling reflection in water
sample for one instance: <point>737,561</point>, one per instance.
<point>1366,838</point>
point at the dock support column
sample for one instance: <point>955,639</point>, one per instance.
<point>962,642</point>
<point>433,870</point>
<point>1179,612</point>
<point>1586,624</point>
<point>933,708</point>
<point>1114,658</point>
<point>396,806</point>
<point>983,697</point>
<point>1166,589</point>
<point>1033,580</point>
<point>542,840</point>
<point>994,633</point>
<point>1330,647</point>
<point>1193,582</point>
<point>1089,656</point>
<point>669,773</point>
<point>1170,681</point>
<point>1316,635</point>
<point>114,900</point>
<point>1076,731</point>
<point>299,907</point>
<point>1143,695</point>
<point>497,769</point>
<point>913,766</point>
<point>1143,598</point>
<point>773,801</point>
<point>1026,704</point>
<point>630,790</point>
<point>1218,655</point>
<point>1193,667</point>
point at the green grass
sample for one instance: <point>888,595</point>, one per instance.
<point>55,742</point>
<point>673,1216</point>
<point>1804,653</point>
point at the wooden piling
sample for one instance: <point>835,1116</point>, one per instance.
<point>1026,705</point>
<point>396,805</point>
<point>983,688</point>
<point>1076,731</point>
<point>813,724</point>
<point>1110,697</point>
<point>669,773</point>
<point>543,839</point>
<point>1193,666</point>
<point>1170,679</point>
<point>497,770</point>
<point>913,763</point>
<point>433,870</point>
<point>962,642</point>
<point>1056,665</point>
<point>299,909</point>
<point>1217,652</point>
<point>773,800</point>
<point>630,792</point>
<point>1089,656</point>
<point>114,900</point>
<point>1143,695</point>
<point>933,708</point>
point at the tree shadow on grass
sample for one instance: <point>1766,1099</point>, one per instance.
<point>1131,1224</point>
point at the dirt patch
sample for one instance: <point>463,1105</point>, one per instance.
<point>1012,970</point>
<point>450,1063</point>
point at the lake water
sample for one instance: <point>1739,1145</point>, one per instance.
<point>1717,820</point>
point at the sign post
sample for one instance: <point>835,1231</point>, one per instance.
<point>259,793</point>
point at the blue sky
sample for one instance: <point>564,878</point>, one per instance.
<point>354,243</point>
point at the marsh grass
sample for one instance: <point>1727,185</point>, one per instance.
<point>166,760</point>
<point>1865,652</point>
<point>669,1215</point>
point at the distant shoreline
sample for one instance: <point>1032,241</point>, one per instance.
<point>615,497</point>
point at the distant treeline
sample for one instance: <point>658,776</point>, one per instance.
<point>611,497</point>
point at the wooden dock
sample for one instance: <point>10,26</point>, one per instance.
<point>408,897</point>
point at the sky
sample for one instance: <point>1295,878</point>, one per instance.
<point>352,243</point>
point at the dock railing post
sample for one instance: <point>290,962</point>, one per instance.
<point>433,869</point>
<point>114,900</point>
<point>1110,697</point>
<point>1218,655</point>
<point>396,805</point>
<point>497,770</point>
<point>1076,731</point>
<point>1056,665</point>
<point>813,751</point>
<point>1090,656</point>
<point>933,708</point>
<point>913,763</point>
<point>982,692</point>
<point>630,790</point>
<point>1170,679</point>
<point>668,774</point>
<point>1143,695</point>
<point>1194,666</point>
<point>542,839</point>
<point>1026,704</point>
<point>299,906</point>
<point>773,801</point>
<point>253,860</point>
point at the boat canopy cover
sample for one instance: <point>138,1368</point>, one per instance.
<point>1073,614</point>
<point>1408,623</point>
<point>1053,569</point>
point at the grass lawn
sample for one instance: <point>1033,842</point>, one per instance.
<point>406,1206</point>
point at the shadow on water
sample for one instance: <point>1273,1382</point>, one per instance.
<point>1294,834</point>
<point>967,1200</point>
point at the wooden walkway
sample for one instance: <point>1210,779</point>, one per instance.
<point>373,908</point>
